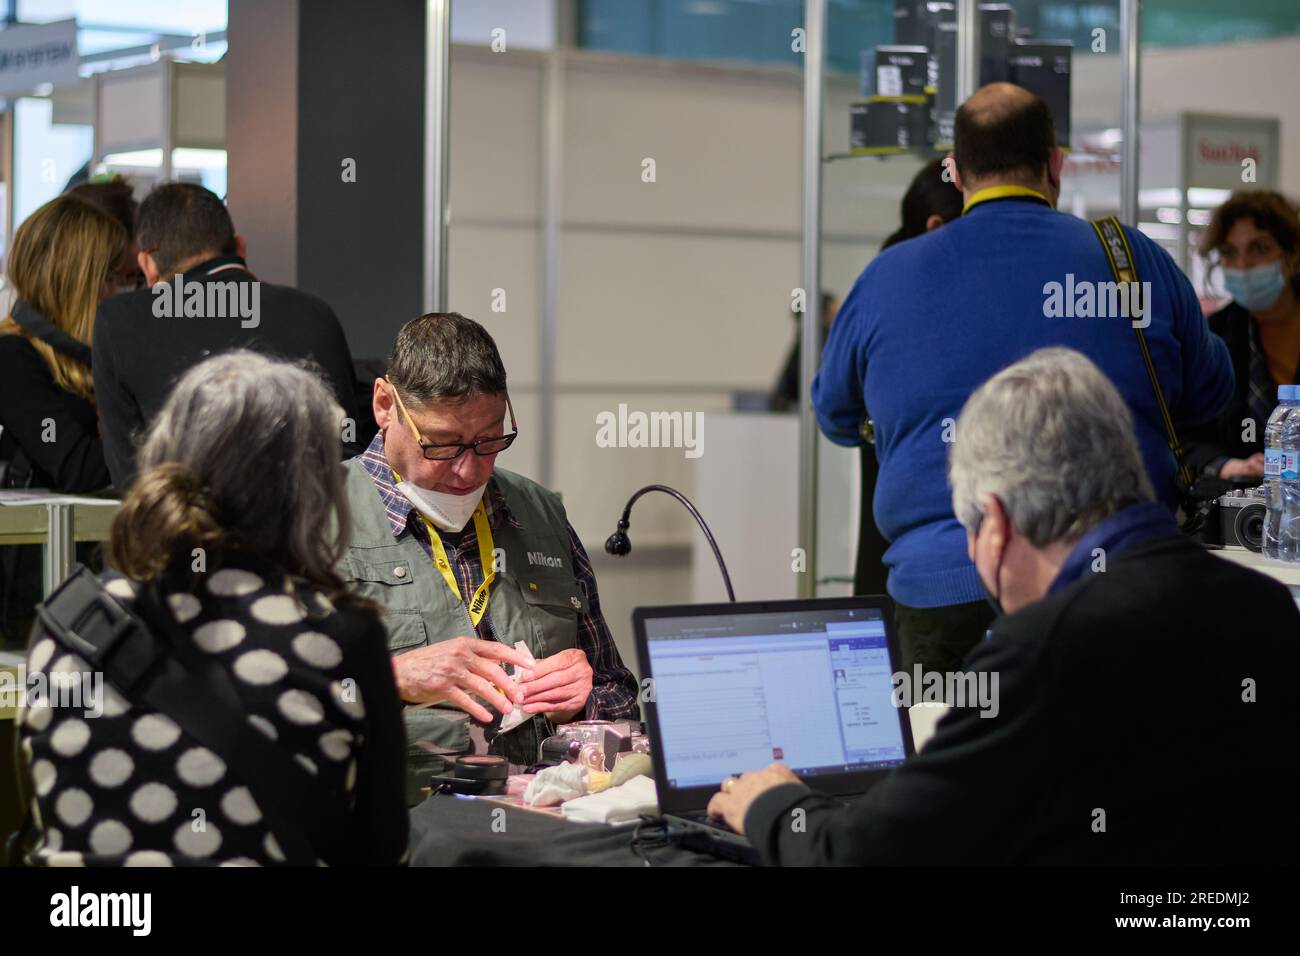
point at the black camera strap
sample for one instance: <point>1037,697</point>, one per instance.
<point>151,660</point>
<point>1124,268</point>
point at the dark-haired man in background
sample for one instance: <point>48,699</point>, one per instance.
<point>199,299</point>
<point>932,318</point>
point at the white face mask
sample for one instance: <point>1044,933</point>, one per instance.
<point>447,512</point>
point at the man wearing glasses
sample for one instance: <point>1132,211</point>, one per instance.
<point>466,560</point>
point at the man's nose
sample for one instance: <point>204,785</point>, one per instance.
<point>472,469</point>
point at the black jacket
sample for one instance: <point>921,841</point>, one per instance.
<point>1120,694</point>
<point>139,355</point>
<point>1221,437</point>
<point>68,456</point>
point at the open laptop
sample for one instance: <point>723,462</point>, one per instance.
<point>739,686</point>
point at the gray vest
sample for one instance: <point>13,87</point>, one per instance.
<point>535,599</point>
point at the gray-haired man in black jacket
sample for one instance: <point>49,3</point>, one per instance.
<point>1146,709</point>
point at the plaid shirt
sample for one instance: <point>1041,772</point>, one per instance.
<point>613,688</point>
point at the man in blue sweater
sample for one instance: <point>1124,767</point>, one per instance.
<point>932,318</point>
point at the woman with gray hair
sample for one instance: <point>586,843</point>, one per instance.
<point>226,547</point>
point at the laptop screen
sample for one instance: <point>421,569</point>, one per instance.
<point>810,688</point>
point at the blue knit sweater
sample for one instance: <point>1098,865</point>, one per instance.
<point>932,318</point>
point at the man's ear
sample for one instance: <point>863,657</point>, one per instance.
<point>933,222</point>
<point>950,169</point>
<point>996,520</point>
<point>241,247</point>
<point>150,269</point>
<point>1055,163</point>
<point>381,403</point>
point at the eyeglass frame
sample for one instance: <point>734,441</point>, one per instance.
<point>463,446</point>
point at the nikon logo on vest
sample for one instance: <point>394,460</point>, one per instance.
<point>213,300</point>
<point>651,430</point>
<point>73,909</point>
<point>545,560</point>
<point>1098,300</point>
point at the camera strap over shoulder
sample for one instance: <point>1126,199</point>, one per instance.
<point>1124,267</point>
<point>150,660</point>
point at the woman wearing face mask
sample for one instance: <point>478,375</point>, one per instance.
<point>1254,238</point>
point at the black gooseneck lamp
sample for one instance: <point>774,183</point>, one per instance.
<point>619,544</point>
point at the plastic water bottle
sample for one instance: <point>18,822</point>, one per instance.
<point>1288,537</point>
<point>1286,401</point>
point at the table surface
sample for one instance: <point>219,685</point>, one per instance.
<point>29,523</point>
<point>1287,573</point>
<point>462,831</point>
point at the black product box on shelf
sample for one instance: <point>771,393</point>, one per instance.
<point>1043,67</point>
<point>997,26</point>
<point>889,124</point>
<point>909,22</point>
<point>942,18</point>
<point>901,71</point>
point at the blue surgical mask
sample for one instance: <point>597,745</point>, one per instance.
<point>1255,289</point>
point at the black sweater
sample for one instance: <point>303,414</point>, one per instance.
<point>1121,693</point>
<point>68,457</point>
<point>139,356</point>
<point>1221,437</point>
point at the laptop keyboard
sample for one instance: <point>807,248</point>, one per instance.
<point>702,817</point>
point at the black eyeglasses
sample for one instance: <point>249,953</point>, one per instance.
<point>482,447</point>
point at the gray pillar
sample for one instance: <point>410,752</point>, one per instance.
<point>308,86</point>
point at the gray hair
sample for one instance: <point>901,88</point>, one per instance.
<point>263,439</point>
<point>1052,439</point>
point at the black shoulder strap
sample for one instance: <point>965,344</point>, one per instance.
<point>176,679</point>
<point>1124,268</point>
<point>37,324</point>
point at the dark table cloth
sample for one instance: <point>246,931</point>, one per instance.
<point>457,831</point>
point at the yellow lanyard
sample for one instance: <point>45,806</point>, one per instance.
<point>1001,192</point>
<point>483,532</point>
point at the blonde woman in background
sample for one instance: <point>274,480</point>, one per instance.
<point>65,259</point>
<point>63,263</point>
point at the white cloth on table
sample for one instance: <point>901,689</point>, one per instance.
<point>556,784</point>
<point>621,804</point>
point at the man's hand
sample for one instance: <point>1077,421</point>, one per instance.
<point>732,802</point>
<point>1252,467</point>
<point>557,686</point>
<point>450,671</point>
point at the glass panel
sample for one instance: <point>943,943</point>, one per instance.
<point>1218,122</point>
<point>505,24</point>
<point>743,29</point>
<point>46,154</point>
<point>162,15</point>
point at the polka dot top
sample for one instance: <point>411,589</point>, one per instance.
<point>119,785</point>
